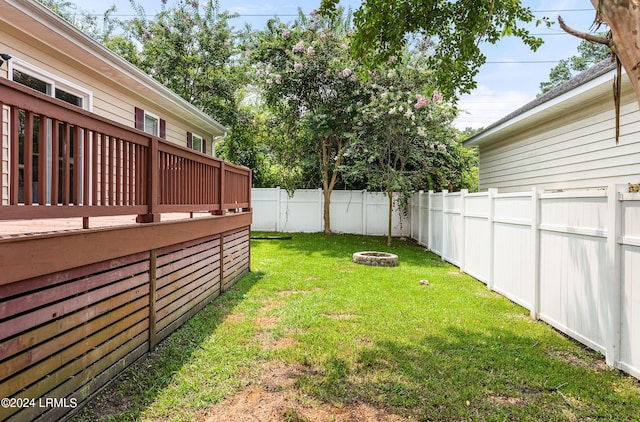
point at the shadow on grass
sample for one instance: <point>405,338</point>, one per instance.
<point>135,388</point>
<point>466,375</point>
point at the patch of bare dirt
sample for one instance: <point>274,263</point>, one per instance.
<point>274,398</point>
<point>287,293</point>
<point>504,400</point>
<point>266,322</point>
<point>235,318</point>
<point>341,316</point>
<point>267,342</point>
<point>572,359</point>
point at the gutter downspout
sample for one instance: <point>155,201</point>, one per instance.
<point>216,139</point>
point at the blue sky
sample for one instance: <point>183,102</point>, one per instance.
<point>510,78</point>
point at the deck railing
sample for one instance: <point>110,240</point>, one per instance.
<point>64,161</point>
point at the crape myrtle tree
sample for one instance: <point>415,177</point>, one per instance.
<point>403,133</point>
<point>308,81</point>
<point>190,48</point>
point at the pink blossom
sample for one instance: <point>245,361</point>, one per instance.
<point>347,72</point>
<point>286,34</point>
<point>298,48</point>
<point>314,13</point>
<point>436,96</point>
<point>297,66</point>
<point>421,101</point>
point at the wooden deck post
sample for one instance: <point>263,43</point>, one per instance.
<point>152,216</point>
<point>153,265</point>
<point>249,188</point>
<point>221,183</point>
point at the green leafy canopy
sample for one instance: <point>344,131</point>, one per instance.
<point>457,29</point>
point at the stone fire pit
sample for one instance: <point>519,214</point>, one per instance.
<point>376,259</point>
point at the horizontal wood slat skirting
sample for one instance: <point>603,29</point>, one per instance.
<point>113,296</point>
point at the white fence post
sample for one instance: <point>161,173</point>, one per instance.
<point>613,262</point>
<point>420,193</point>
<point>443,243</point>
<point>429,221</point>
<point>321,207</point>
<point>463,212</point>
<point>535,248</point>
<point>492,208</point>
<point>364,212</point>
<point>278,210</point>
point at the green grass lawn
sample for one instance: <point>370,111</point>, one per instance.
<point>308,335</point>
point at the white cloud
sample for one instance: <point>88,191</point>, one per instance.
<point>485,106</point>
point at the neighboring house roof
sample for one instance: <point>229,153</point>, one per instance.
<point>588,85</point>
<point>34,18</point>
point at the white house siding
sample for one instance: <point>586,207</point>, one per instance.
<point>572,150</point>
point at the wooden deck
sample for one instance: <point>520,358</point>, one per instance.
<point>14,228</point>
<point>106,247</point>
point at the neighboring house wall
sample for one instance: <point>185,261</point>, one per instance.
<point>564,142</point>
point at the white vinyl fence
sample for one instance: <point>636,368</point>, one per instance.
<point>571,258</point>
<point>352,211</point>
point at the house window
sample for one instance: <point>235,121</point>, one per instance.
<point>69,97</point>
<point>151,124</point>
<point>197,142</point>
<point>49,84</point>
<point>31,81</point>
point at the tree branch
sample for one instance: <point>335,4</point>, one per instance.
<point>584,35</point>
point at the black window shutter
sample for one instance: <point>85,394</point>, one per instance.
<point>189,140</point>
<point>204,146</point>
<point>139,118</point>
<point>163,129</point>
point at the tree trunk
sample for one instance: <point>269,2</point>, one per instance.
<point>327,210</point>
<point>623,18</point>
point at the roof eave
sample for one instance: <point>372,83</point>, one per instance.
<point>552,104</point>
